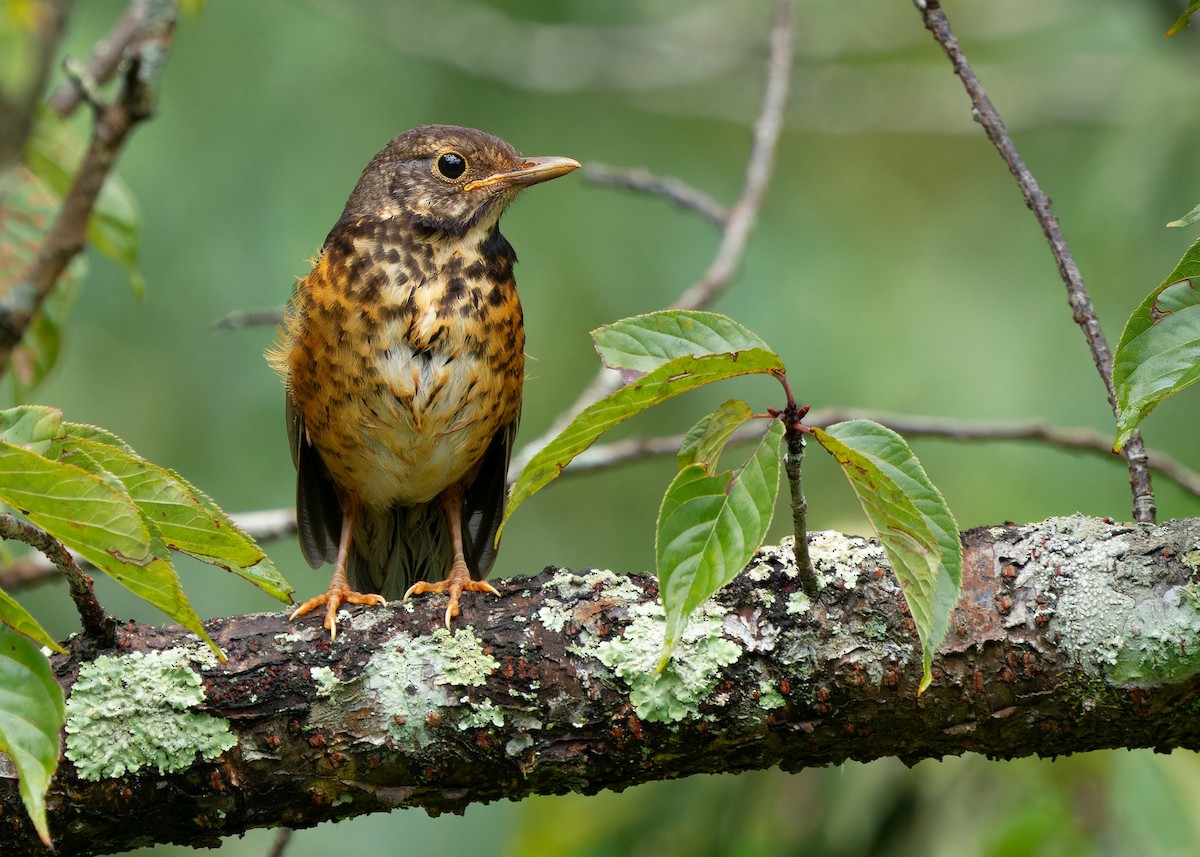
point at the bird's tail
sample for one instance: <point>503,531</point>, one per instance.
<point>394,548</point>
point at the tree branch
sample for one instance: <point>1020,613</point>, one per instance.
<point>737,227</point>
<point>1072,634</point>
<point>68,234</point>
<point>1038,202</point>
<point>604,455</point>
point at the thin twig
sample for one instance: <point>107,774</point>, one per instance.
<point>676,190</point>
<point>1078,439</point>
<point>33,568</point>
<point>738,225</point>
<point>248,318</point>
<point>68,234</point>
<point>1085,316</point>
<point>96,623</point>
<point>103,63</point>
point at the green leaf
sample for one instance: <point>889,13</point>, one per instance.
<point>188,520</point>
<point>31,714</point>
<point>708,529</point>
<point>911,519</point>
<point>30,426</point>
<point>1187,220</point>
<point>643,343</point>
<point>672,378</point>
<point>18,618</point>
<point>1159,350</point>
<point>705,441</point>
<point>90,513</point>
<point>1182,21</point>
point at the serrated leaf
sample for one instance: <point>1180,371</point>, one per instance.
<point>643,343</point>
<point>911,520</point>
<point>92,515</point>
<point>30,426</point>
<point>31,714</point>
<point>1159,351</point>
<point>705,441</point>
<point>674,377</point>
<point>19,619</point>
<point>187,519</point>
<point>708,529</point>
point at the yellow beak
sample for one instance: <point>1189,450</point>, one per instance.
<point>532,171</point>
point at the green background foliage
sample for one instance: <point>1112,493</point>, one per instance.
<point>894,267</point>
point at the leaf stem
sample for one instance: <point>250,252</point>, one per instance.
<point>793,436</point>
<point>97,624</point>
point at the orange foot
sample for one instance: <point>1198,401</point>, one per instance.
<point>337,595</point>
<point>459,580</point>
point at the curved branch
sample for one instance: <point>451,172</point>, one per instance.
<point>1072,634</point>
<point>737,227</point>
<point>1084,313</point>
<point>1078,439</point>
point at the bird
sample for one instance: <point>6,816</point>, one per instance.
<point>402,352</point>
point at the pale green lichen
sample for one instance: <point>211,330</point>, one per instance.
<point>482,715</point>
<point>325,680</point>
<point>131,712</point>
<point>1103,609</point>
<point>567,588</point>
<point>798,602</point>
<point>837,558</point>
<point>691,674</point>
<point>768,696</point>
<point>417,676</point>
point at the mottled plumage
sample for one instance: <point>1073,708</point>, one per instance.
<point>403,351</point>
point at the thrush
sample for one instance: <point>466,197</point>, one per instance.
<point>403,354</point>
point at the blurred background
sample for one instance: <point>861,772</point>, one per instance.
<point>894,267</point>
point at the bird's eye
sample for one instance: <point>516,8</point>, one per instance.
<point>451,165</point>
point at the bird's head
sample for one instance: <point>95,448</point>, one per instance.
<point>446,179</point>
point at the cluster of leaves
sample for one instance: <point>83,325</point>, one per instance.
<point>1159,351</point>
<point>711,522</point>
<point>89,490</point>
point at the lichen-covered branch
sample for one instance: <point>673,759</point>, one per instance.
<point>1073,634</point>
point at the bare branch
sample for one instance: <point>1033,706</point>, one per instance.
<point>248,318</point>
<point>105,59</point>
<point>1087,440</point>
<point>676,190</point>
<point>96,623</point>
<point>67,235</point>
<point>1084,314</point>
<point>738,225</point>
<point>33,568</point>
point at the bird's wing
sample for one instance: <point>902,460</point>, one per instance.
<point>318,513</point>
<point>484,499</point>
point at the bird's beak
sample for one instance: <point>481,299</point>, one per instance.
<point>532,171</point>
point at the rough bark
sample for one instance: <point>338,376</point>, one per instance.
<point>1073,634</point>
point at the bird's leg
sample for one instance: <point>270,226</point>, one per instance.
<point>458,579</point>
<point>339,591</point>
